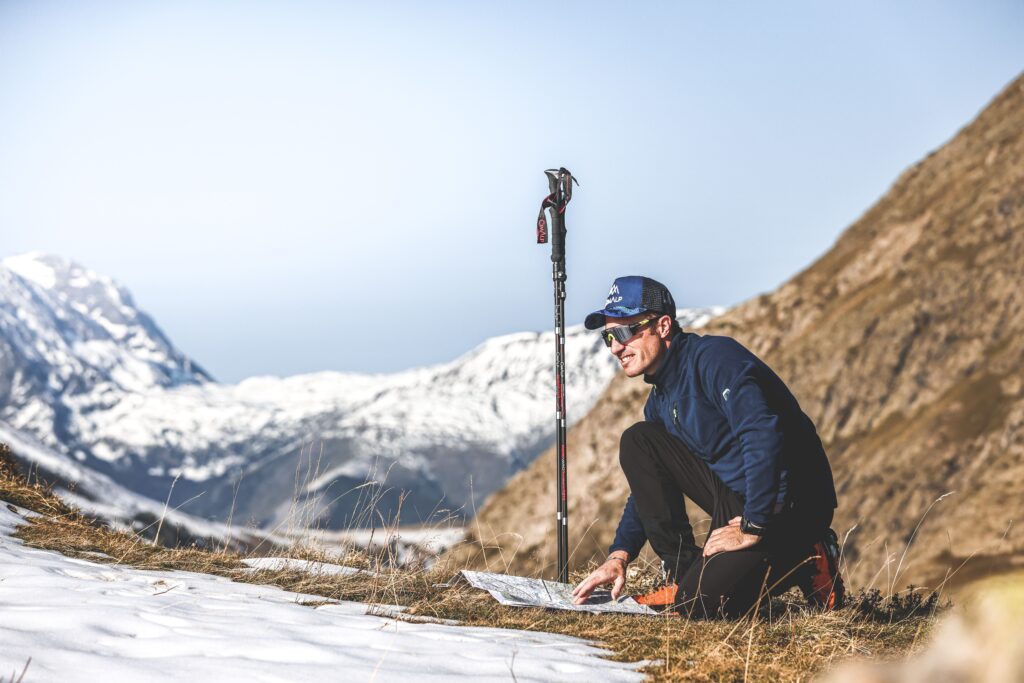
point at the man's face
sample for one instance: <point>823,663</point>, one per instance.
<point>645,351</point>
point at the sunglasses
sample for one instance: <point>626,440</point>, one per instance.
<point>623,333</point>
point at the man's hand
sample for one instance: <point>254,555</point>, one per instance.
<point>613,571</point>
<point>729,537</point>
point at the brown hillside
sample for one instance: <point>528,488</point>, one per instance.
<point>905,344</point>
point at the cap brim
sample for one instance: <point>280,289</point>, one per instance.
<point>594,320</point>
<point>597,318</point>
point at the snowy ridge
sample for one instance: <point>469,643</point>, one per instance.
<point>88,375</point>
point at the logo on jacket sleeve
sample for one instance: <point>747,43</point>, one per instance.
<point>725,395</point>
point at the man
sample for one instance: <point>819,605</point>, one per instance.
<point>723,429</point>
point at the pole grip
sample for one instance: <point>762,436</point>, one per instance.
<point>557,236</point>
<point>560,182</point>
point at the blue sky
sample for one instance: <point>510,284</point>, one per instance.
<point>298,186</point>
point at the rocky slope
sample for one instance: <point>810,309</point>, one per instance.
<point>905,344</point>
<point>87,375</point>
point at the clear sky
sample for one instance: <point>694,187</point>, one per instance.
<point>298,186</point>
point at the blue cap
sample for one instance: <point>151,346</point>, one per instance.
<point>632,295</point>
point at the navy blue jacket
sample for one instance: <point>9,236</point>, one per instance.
<point>729,408</point>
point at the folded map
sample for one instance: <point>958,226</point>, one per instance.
<point>519,591</point>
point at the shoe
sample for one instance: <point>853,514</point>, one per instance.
<point>823,586</point>
<point>663,598</point>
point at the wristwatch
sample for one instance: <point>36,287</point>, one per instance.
<point>748,527</point>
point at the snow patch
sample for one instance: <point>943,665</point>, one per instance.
<point>80,620</point>
<point>276,564</point>
<point>31,267</point>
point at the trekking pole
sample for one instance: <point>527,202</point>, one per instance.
<point>560,186</point>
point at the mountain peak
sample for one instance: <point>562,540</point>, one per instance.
<point>68,279</point>
<point>40,268</point>
<point>65,329</point>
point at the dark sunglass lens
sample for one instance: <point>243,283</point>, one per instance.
<point>622,333</point>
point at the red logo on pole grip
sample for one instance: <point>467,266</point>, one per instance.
<point>542,231</point>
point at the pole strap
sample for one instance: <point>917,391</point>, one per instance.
<point>542,220</point>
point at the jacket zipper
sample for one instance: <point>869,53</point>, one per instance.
<point>680,433</point>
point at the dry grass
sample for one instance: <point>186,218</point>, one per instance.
<point>62,528</point>
<point>783,641</point>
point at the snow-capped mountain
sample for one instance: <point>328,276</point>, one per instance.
<point>87,374</point>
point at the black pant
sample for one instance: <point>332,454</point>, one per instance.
<point>660,469</point>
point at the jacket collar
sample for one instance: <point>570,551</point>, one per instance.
<point>667,376</point>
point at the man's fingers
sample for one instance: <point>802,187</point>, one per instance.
<point>583,591</point>
<point>620,581</point>
<point>584,587</point>
<point>735,521</point>
<point>598,577</point>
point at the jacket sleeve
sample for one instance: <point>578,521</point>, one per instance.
<point>630,535</point>
<point>731,379</point>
